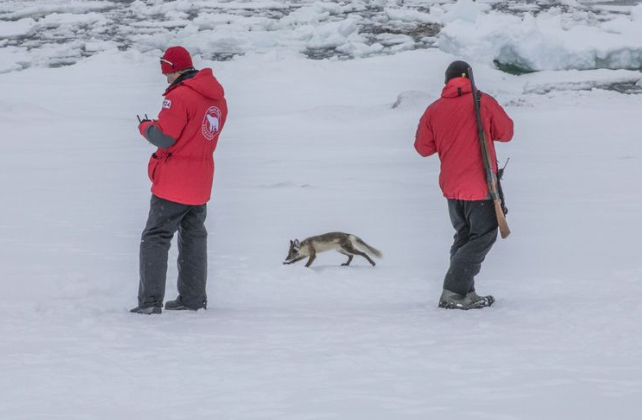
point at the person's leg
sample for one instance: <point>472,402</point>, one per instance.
<point>458,220</point>
<point>192,259</point>
<point>466,262</point>
<point>162,223</point>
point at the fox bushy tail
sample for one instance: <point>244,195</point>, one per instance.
<point>370,249</point>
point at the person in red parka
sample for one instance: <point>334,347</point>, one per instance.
<point>186,133</point>
<point>449,128</point>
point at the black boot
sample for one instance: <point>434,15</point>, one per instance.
<point>178,305</point>
<point>452,300</point>
<point>147,310</point>
<point>481,301</point>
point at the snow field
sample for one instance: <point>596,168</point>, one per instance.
<point>311,147</point>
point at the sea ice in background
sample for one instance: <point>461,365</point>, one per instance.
<point>466,10</point>
<point>550,40</point>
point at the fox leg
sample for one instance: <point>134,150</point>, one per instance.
<point>311,260</point>
<point>351,249</point>
<point>350,257</point>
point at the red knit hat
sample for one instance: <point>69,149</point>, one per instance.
<point>176,59</point>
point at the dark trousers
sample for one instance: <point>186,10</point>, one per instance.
<point>165,219</point>
<point>475,224</point>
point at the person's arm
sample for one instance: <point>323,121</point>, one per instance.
<point>424,140</point>
<point>171,122</point>
<point>155,136</point>
<point>501,125</point>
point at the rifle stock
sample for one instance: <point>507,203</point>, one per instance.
<point>504,230</point>
<point>491,177</point>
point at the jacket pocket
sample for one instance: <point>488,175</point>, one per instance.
<point>152,167</point>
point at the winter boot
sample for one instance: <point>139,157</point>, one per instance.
<point>147,310</point>
<point>481,300</point>
<point>452,300</point>
<point>177,305</point>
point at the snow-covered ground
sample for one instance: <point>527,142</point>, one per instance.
<point>313,146</point>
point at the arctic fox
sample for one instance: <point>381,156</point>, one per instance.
<point>346,244</point>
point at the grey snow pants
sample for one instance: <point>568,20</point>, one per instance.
<point>475,224</point>
<point>165,219</point>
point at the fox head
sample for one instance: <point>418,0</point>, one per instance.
<point>293,253</point>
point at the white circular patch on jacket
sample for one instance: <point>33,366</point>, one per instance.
<point>211,123</point>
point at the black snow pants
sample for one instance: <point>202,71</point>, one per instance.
<point>475,224</point>
<point>165,218</point>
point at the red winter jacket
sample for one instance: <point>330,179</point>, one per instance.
<point>193,114</point>
<point>449,128</point>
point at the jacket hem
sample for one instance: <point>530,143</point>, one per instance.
<point>179,200</point>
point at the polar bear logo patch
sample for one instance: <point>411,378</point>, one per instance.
<point>211,123</point>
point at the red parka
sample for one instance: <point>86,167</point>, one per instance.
<point>449,128</point>
<point>193,113</point>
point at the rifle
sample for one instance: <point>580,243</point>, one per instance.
<point>491,177</point>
